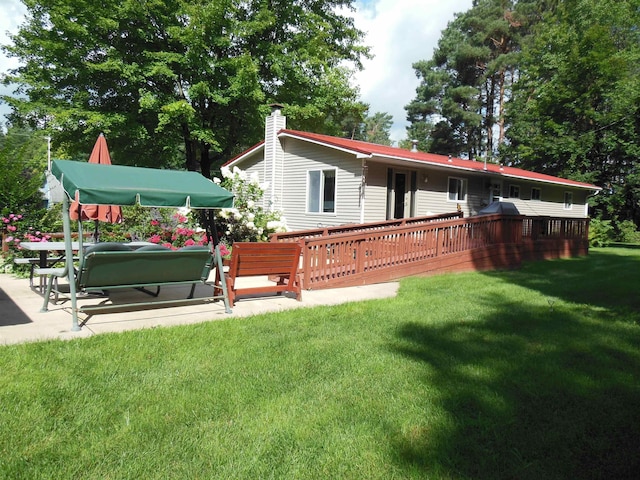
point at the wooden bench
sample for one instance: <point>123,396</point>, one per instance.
<point>255,259</point>
<point>152,266</point>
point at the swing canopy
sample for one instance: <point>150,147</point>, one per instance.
<point>97,184</point>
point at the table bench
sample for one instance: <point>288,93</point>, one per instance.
<point>34,263</point>
<point>253,259</point>
<point>110,267</point>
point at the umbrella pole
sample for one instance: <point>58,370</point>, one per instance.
<point>96,232</point>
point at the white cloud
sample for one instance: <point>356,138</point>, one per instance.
<point>399,32</point>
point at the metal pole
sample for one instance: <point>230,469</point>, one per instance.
<point>68,250</point>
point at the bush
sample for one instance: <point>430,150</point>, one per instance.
<point>247,221</point>
<point>626,232</point>
<point>601,232</point>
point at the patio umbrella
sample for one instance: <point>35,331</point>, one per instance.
<point>97,213</point>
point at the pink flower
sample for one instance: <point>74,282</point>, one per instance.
<point>189,242</point>
<point>224,251</point>
<point>155,239</point>
<point>5,220</point>
<point>12,228</point>
<point>9,239</point>
<point>155,222</point>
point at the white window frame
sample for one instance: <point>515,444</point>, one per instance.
<point>514,189</point>
<point>463,185</point>
<point>568,201</point>
<point>539,190</point>
<point>320,200</point>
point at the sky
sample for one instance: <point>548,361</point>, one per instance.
<point>399,32</point>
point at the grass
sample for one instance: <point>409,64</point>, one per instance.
<point>524,374</point>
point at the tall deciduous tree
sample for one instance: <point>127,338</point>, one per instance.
<point>190,79</point>
<point>22,161</point>
<point>576,107</point>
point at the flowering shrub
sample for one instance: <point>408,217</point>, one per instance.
<point>14,232</point>
<point>175,231</point>
<point>247,221</point>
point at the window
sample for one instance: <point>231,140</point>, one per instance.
<point>321,190</point>
<point>568,200</point>
<point>457,189</point>
<point>514,191</point>
<point>495,190</point>
<point>535,194</point>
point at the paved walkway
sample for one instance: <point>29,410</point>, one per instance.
<point>21,319</point>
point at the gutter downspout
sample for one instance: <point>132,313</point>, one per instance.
<point>363,185</point>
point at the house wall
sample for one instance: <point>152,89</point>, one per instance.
<point>432,186</point>
<point>288,193</point>
<point>375,199</point>
<point>302,157</point>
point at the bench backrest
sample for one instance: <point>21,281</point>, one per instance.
<point>138,268</point>
<point>264,258</point>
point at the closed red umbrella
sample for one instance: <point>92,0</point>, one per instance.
<point>98,213</point>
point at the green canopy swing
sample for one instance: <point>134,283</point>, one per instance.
<point>96,184</point>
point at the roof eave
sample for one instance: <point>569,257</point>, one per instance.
<point>486,171</point>
<point>358,153</point>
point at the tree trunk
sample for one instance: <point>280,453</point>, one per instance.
<point>501,107</point>
<point>205,160</point>
<point>191,162</point>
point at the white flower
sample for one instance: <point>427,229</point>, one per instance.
<point>251,225</point>
<point>251,204</point>
<point>251,216</point>
<point>225,172</point>
<point>217,181</point>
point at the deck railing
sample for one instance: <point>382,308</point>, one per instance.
<point>361,227</point>
<point>364,255</point>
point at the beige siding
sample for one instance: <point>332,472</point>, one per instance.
<point>431,196</point>
<point>302,157</point>
<point>376,193</point>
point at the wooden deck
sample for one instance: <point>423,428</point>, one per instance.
<point>379,252</point>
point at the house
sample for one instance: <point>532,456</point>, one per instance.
<point>319,180</point>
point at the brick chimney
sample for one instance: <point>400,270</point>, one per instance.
<point>274,157</point>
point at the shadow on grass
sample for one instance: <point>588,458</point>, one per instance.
<point>531,391</point>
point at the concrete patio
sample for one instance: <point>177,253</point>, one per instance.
<point>22,321</point>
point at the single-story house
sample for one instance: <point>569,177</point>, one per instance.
<point>320,180</point>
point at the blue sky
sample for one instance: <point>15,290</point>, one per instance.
<point>399,32</point>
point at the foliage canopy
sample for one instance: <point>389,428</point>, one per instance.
<point>181,81</point>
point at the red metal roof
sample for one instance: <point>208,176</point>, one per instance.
<point>366,149</point>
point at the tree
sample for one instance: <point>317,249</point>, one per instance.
<point>22,163</point>
<point>184,81</point>
<point>575,110</point>
<point>374,128</point>
<point>463,88</point>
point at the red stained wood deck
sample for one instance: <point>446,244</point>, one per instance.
<point>380,252</point>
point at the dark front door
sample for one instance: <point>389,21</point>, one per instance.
<point>400,194</point>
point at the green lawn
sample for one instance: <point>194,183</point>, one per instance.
<point>527,374</point>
